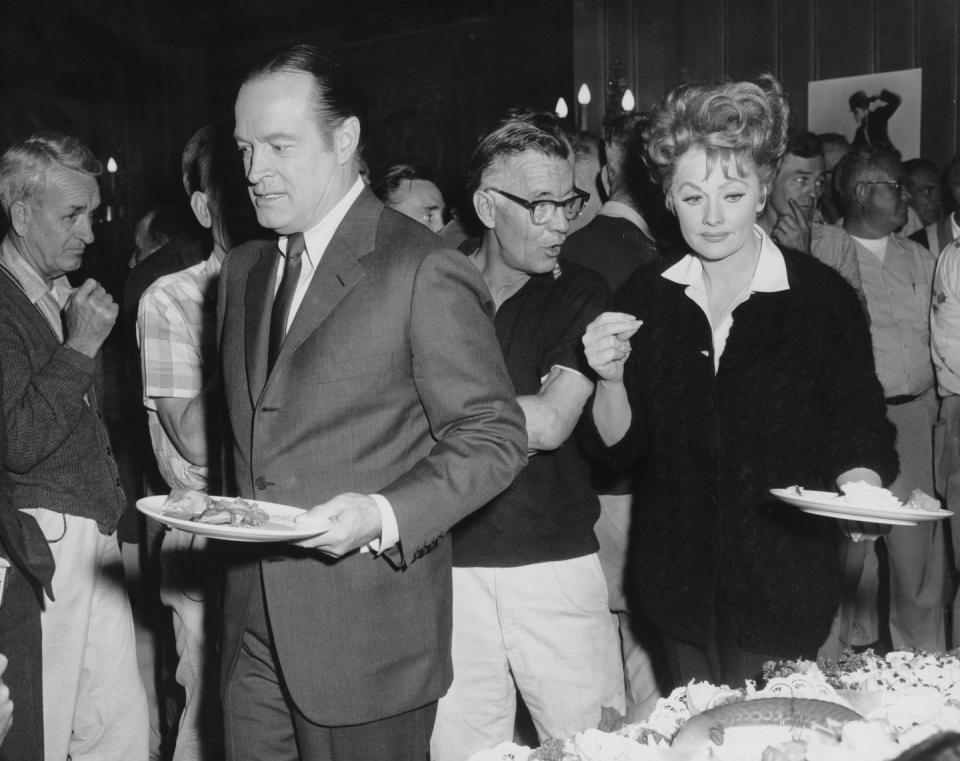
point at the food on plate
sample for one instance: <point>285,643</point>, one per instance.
<point>235,512</point>
<point>191,505</point>
<point>921,501</point>
<point>862,493</point>
<point>186,504</point>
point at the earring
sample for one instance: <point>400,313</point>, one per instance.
<point>557,272</point>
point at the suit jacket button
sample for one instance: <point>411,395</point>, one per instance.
<point>260,483</point>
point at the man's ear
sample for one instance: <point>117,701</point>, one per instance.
<point>605,179</point>
<point>201,209</point>
<point>484,206</point>
<point>346,139</point>
<point>20,217</point>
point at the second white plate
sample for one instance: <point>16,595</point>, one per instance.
<point>828,504</point>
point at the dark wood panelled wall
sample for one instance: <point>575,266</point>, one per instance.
<point>659,43</point>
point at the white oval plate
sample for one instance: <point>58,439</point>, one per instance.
<point>825,503</point>
<point>280,527</point>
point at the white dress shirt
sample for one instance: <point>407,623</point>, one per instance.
<point>769,276</point>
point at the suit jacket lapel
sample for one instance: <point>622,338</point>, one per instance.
<point>339,271</point>
<point>258,300</point>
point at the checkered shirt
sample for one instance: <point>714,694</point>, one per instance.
<point>176,332</point>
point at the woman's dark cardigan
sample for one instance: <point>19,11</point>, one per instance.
<point>795,401</point>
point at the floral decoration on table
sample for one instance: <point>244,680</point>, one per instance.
<point>864,707</point>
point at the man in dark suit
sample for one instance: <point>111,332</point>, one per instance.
<point>619,239</point>
<point>616,243</point>
<point>381,403</point>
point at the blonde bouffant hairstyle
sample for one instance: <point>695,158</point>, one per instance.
<point>740,122</point>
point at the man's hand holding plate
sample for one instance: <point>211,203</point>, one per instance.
<point>344,524</point>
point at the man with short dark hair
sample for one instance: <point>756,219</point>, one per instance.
<point>789,216</point>
<point>363,381</point>
<point>615,244</point>
<point>923,183</point>
<point>897,275</point>
<point>618,240</point>
<point>176,332</point>
<point>835,146</point>
<point>59,455</point>
<point>587,163</point>
<point>941,232</point>
<point>411,190</point>
<point>530,604</point>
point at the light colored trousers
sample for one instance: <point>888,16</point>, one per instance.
<point>916,553</point>
<point>94,704</point>
<point>613,534</point>
<point>544,629</point>
<point>185,581</point>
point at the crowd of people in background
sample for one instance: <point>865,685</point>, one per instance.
<point>533,437</point>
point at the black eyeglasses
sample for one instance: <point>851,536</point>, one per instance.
<point>898,185</point>
<point>541,211</point>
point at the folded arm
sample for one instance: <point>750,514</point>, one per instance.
<point>43,405</point>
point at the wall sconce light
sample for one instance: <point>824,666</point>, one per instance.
<point>627,102</point>
<point>112,174</point>
<point>561,109</point>
<point>583,100</point>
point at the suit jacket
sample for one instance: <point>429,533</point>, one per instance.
<point>390,381</point>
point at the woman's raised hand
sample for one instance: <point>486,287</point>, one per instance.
<point>606,343</point>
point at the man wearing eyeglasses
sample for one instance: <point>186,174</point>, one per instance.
<point>790,217</point>
<point>897,276</point>
<point>529,597</point>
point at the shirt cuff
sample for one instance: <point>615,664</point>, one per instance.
<point>563,368</point>
<point>389,530</point>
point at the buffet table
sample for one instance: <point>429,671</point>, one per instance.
<point>864,708</point>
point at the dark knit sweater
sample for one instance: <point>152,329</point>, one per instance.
<point>58,454</point>
<point>795,401</point>
<point>547,513</point>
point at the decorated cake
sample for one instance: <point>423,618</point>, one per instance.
<point>863,708</point>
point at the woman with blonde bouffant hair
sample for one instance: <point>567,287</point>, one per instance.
<point>731,368</point>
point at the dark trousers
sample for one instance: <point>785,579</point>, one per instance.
<point>20,642</point>
<point>722,661</point>
<point>262,722</point>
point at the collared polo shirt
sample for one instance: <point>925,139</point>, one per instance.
<point>898,287</point>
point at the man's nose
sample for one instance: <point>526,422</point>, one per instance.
<point>257,165</point>
<point>558,220</point>
<point>85,229</point>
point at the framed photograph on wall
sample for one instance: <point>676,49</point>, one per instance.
<point>868,108</point>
